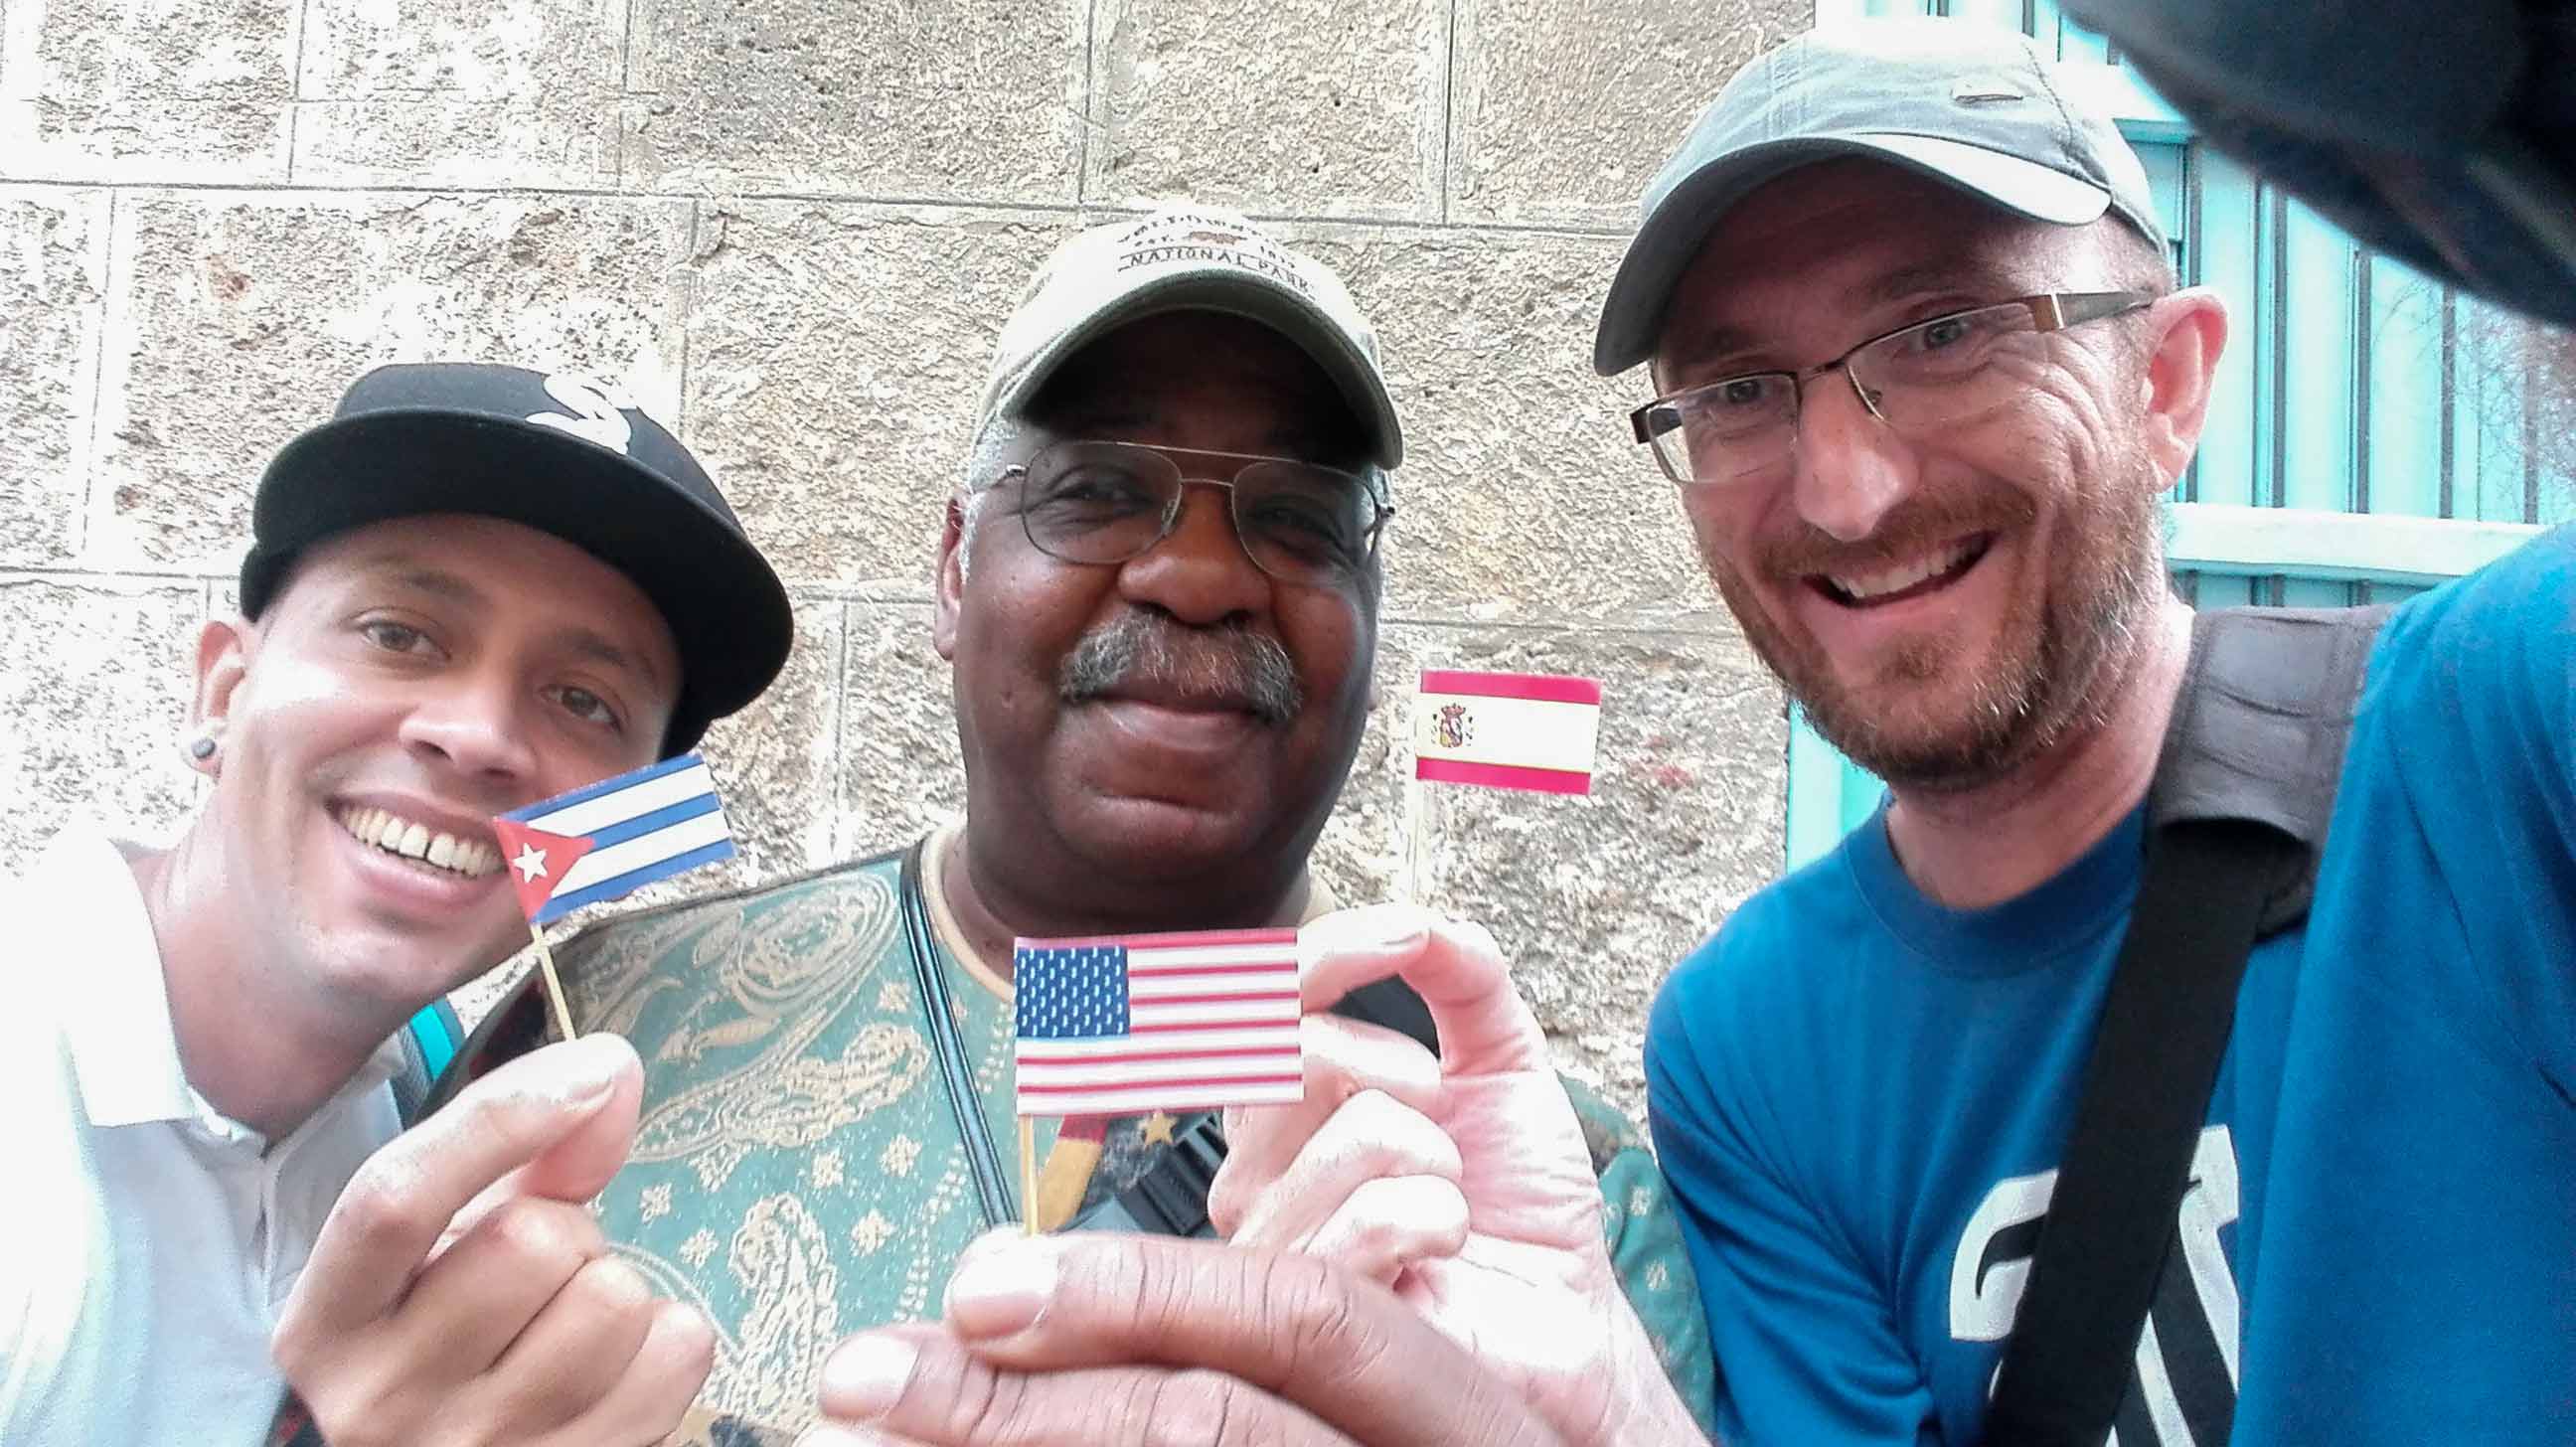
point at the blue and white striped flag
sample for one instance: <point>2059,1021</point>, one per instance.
<point>613,838</point>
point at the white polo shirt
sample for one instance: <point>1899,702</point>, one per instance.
<point>146,1241</point>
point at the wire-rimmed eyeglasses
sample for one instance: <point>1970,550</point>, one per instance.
<point>1104,503</point>
<point>1930,374</point>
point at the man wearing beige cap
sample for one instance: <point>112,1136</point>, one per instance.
<point>1158,587</point>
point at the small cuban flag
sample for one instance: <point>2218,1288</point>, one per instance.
<point>613,838</point>
<point>1506,730</point>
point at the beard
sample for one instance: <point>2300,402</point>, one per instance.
<point>2054,662</point>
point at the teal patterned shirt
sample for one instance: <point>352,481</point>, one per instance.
<point>799,1173</point>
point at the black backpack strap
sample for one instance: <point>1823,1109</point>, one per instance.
<point>2259,730</point>
<point>2236,820</point>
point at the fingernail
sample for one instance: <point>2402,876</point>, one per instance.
<point>867,1375</point>
<point>584,1071</point>
<point>1003,1286</point>
<point>823,1435</point>
<point>1362,928</point>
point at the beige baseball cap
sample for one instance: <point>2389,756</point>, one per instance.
<point>1191,258</point>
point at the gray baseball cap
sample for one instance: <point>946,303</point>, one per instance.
<point>1966,103</point>
<point>1188,259</point>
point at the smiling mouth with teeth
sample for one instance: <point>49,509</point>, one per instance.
<point>1895,582</point>
<point>390,832</point>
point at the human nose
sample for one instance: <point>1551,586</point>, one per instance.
<point>472,723</point>
<point>1197,571</point>
<point>1852,468</point>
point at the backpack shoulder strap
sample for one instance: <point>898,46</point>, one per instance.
<point>2260,728</point>
<point>2236,819</point>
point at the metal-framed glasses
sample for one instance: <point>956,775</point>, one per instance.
<point>1107,502</point>
<point>1919,378</point>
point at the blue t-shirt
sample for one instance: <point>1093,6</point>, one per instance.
<point>1860,1098</point>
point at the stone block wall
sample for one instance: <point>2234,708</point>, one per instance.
<point>792,228</point>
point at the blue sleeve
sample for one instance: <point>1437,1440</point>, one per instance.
<point>2417,1257</point>
<point>1808,1353</point>
<point>2470,712</point>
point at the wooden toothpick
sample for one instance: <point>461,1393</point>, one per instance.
<point>554,982</point>
<point>1028,1177</point>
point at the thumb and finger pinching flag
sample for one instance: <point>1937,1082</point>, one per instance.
<point>608,840</point>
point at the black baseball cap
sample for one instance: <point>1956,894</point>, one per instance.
<point>563,453</point>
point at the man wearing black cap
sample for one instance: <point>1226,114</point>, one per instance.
<point>474,588</point>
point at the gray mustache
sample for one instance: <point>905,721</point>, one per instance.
<point>1233,667</point>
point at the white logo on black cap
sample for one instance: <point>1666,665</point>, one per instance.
<point>596,406</point>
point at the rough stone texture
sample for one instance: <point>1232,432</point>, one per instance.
<point>94,692</point>
<point>1523,496</point>
<point>1302,106</point>
<point>776,759</point>
<point>235,321</point>
<point>437,91</point>
<point>793,229</point>
<point>835,357</point>
<point>976,99</point>
<point>53,285</point>
<point>900,776</point>
<point>1563,112</point>
<point>1593,897</point>
<point>146,90</point>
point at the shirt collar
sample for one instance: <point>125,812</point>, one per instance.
<point>1320,901</point>
<point>116,1013</point>
<point>115,1007</point>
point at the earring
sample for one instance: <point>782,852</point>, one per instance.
<point>202,747</point>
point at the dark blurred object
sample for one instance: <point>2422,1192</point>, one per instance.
<point>2443,135</point>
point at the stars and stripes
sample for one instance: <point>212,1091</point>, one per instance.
<point>614,837</point>
<point>1175,1022</point>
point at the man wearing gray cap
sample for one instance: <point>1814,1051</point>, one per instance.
<point>1158,587</point>
<point>1920,378</point>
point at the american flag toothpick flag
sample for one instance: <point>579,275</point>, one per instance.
<point>1130,1024</point>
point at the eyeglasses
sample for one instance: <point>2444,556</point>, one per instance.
<point>1919,378</point>
<point>1107,502</point>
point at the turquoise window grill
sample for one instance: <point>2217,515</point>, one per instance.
<point>2369,436</point>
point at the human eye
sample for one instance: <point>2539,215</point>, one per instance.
<point>1735,407</point>
<point>1941,332</point>
<point>1739,392</point>
<point>586,706</point>
<point>395,636</point>
<point>1106,486</point>
<point>1318,517</point>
